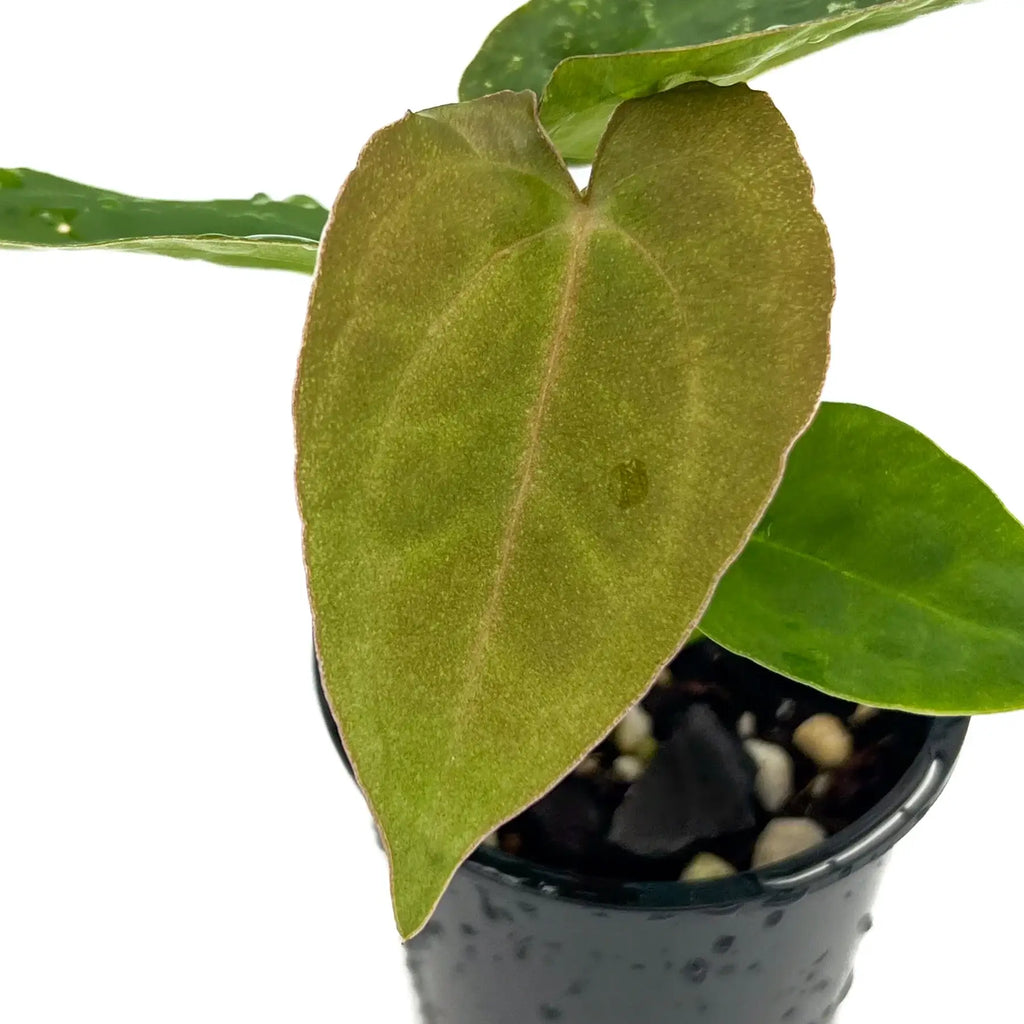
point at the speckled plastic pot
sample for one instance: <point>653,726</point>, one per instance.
<point>512,943</point>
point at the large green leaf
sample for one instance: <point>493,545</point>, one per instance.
<point>587,56</point>
<point>39,210</point>
<point>533,427</point>
<point>884,571</point>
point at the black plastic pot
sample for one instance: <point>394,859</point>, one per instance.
<point>511,942</point>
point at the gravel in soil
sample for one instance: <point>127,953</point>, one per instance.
<point>722,766</point>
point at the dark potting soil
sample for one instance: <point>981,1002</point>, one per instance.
<point>727,766</point>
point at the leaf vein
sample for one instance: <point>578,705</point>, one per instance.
<point>1014,638</point>
<point>506,548</point>
<point>434,331</point>
<point>651,259</point>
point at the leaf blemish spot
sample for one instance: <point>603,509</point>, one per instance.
<point>630,484</point>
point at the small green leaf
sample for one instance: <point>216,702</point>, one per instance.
<point>533,426</point>
<point>38,210</point>
<point>884,571</point>
<point>587,56</point>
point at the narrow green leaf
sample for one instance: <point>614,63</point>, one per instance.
<point>587,56</point>
<point>38,210</point>
<point>884,571</point>
<point>533,426</point>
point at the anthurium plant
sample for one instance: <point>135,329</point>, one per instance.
<point>545,434</point>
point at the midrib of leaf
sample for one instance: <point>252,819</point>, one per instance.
<point>581,227</point>
<point>586,222</point>
<point>977,627</point>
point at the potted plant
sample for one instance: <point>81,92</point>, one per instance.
<point>542,435</point>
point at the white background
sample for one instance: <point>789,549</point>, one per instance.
<point>177,838</point>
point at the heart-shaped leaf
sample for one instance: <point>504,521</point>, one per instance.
<point>38,210</point>
<point>884,571</point>
<point>587,56</point>
<point>533,427</point>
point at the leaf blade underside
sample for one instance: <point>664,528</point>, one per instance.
<point>587,56</point>
<point>42,211</point>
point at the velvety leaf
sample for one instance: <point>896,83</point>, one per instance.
<point>884,572</point>
<point>587,56</point>
<point>533,427</point>
<point>39,210</point>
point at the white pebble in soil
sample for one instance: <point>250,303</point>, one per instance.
<point>862,713</point>
<point>627,768</point>
<point>490,841</point>
<point>646,750</point>
<point>785,837</point>
<point>786,710</point>
<point>746,726</point>
<point>633,730</point>
<point>825,740</point>
<point>820,785</point>
<point>706,867</point>
<point>773,783</point>
<point>588,767</point>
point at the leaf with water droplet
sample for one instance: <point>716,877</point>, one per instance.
<point>485,344</point>
<point>303,202</point>
<point>884,571</point>
<point>39,210</point>
<point>587,56</point>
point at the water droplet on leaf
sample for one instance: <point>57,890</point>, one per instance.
<point>304,202</point>
<point>58,219</point>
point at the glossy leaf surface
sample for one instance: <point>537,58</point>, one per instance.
<point>40,211</point>
<point>533,428</point>
<point>884,571</point>
<point>587,56</point>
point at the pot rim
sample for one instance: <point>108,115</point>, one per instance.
<point>865,840</point>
